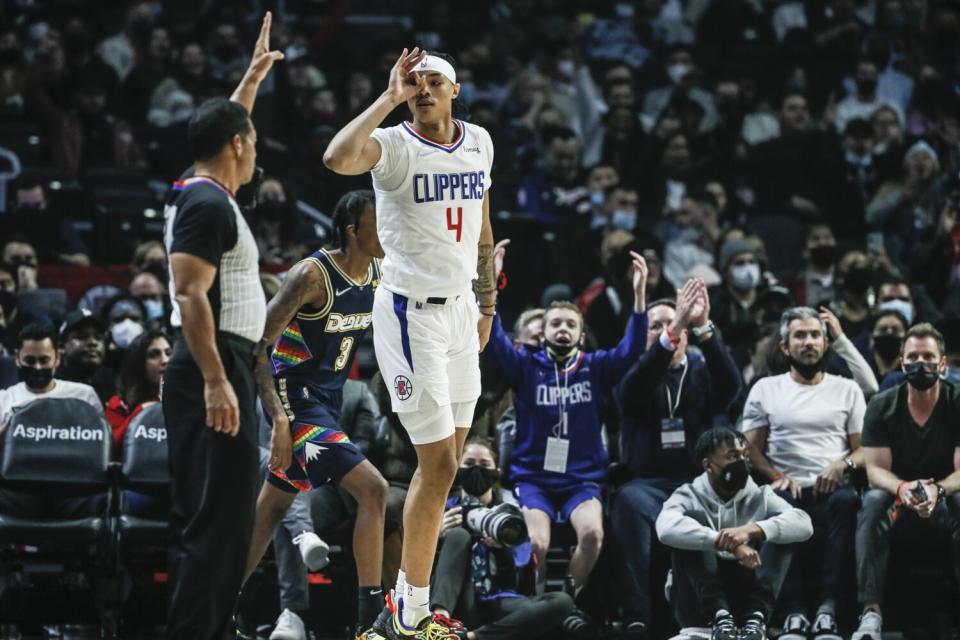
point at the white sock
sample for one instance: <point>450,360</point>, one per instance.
<point>416,605</point>
<point>401,587</point>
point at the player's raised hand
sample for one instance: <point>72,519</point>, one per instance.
<point>263,59</point>
<point>404,82</point>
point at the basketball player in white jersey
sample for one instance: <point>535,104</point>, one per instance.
<point>431,177</point>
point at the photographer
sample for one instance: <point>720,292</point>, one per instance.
<point>479,578</point>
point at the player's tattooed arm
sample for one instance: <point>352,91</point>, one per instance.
<point>304,284</point>
<point>485,286</point>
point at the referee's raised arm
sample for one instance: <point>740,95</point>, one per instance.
<point>209,391</point>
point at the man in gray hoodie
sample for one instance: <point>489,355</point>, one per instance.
<point>731,540</point>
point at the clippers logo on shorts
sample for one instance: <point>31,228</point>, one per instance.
<point>403,387</point>
<point>49,432</point>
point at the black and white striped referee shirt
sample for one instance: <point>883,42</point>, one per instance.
<point>203,219</point>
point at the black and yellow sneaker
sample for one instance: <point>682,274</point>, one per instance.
<point>426,629</point>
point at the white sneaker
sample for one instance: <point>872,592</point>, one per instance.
<point>289,627</point>
<point>870,627</point>
<point>795,627</point>
<point>314,551</point>
<point>825,628</point>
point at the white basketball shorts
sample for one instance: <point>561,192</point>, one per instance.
<point>425,347</point>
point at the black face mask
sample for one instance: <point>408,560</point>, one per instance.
<point>858,280</point>
<point>477,480</point>
<point>867,86</point>
<point>922,375</point>
<point>8,302</point>
<point>808,371</point>
<point>887,345</point>
<point>733,477</point>
<point>823,255</point>
<point>35,378</point>
<point>271,210</point>
<point>561,352</point>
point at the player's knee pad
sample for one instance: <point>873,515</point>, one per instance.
<point>463,414</point>
<point>429,422</point>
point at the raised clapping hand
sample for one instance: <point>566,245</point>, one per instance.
<point>404,83</point>
<point>640,272</point>
<point>700,311</point>
<point>686,301</point>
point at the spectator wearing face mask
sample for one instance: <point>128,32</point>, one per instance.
<point>37,219</point>
<point>731,542</point>
<point>15,314</point>
<point>864,101</point>
<point>152,293</point>
<point>804,433</point>
<point>150,256</point>
<point>816,285</point>
<point>20,257</point>
<point>734,303</point>
<point>559,463</point>
<point>37,360</point>
<point>125,317</point>
<point>886,341</point>
<point>83,353</point>
<point>681,70</point>
<point>668,398</point>
<point>911,447</point>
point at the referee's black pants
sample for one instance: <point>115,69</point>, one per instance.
<point>214,492</point>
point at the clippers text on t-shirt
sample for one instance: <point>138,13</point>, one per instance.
<point>549,395</point>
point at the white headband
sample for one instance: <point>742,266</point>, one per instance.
<point>438,65</point>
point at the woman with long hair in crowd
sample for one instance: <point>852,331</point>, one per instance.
<point>139,385</point>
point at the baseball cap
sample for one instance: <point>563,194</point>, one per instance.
<point>78,318</point>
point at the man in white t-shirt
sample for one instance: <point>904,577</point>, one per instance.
<point>804,430</point>
<point>37,359</point>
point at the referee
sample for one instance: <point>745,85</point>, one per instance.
<point>208,388</point>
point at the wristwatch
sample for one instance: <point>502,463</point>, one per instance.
<point>851,465</point>
<point>699,332</point>
<point>941,492</point>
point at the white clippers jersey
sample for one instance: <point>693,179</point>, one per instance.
<point>430,208</point>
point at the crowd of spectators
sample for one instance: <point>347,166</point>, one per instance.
<point>776,154</point>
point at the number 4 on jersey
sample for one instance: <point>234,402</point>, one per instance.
<point>458,225</point>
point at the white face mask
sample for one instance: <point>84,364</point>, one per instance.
<point>124,332</point>
<point>623,219</point>
<point>745,276</point>
<point>902,306</point>
<point>677,71</point>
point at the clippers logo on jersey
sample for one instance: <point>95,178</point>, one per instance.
<point>337,323</point>
<point>467,185</point>
<point>291,349</point>
<point>403,387</point>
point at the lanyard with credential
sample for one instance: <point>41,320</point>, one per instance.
<point>560,429</point>
<point>671,405</point>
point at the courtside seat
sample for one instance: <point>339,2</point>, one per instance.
<point>53,475</point>
<point>146,481</point>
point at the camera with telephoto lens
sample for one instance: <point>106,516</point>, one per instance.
<point>504,523</point>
